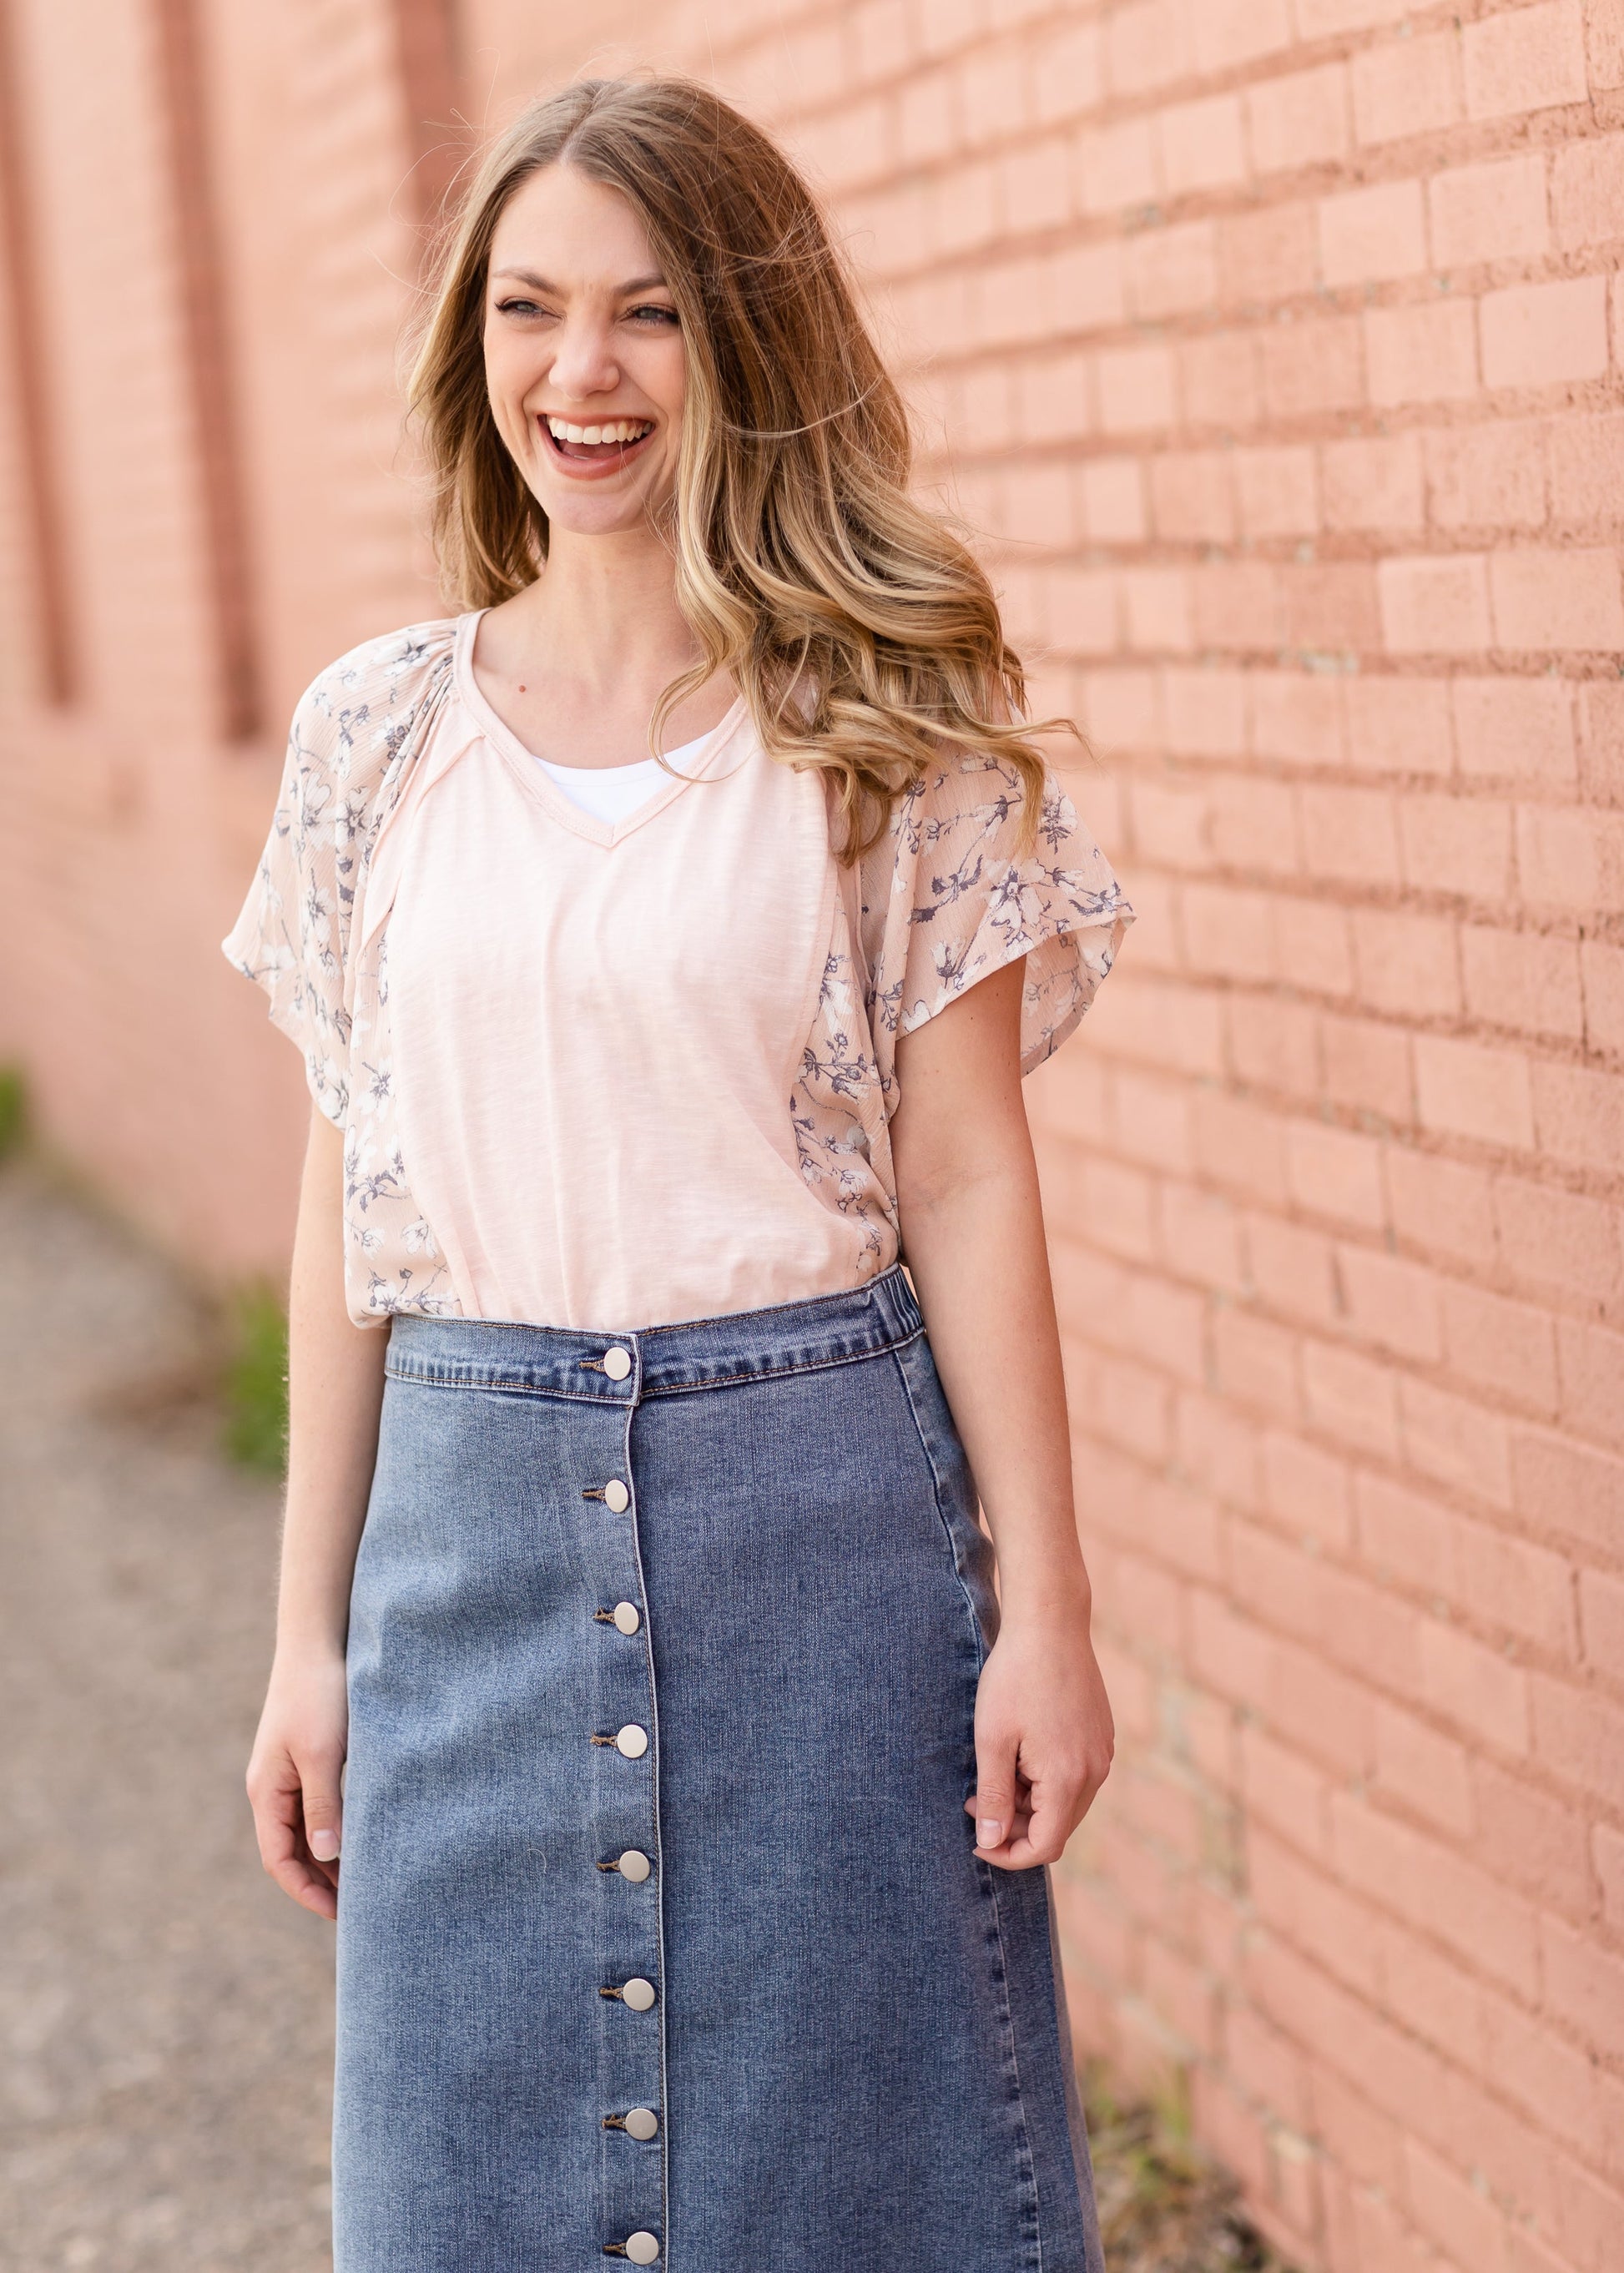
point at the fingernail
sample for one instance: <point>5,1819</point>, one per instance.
<point>988,1832</point>
<point>324,1846</point>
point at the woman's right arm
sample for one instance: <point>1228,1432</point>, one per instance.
<point>334,1394</point>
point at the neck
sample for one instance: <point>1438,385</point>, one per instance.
<point>604,614</point>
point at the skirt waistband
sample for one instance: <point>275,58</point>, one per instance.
<point>619,1368</point>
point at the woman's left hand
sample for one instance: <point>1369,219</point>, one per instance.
<point>1043,1739</point>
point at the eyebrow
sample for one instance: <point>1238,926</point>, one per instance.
<point>540,284</point>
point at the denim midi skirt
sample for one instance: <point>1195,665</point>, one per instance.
<point>662,1935</point>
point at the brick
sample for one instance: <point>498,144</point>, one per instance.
<point>1435,606</point>
<point>1608,1848</point>
<point>1136,389</point>
<point>1172,271</point>
<point>1116,166</point>
<point>1580,1116</point>
<point>1567,1487</point>
<point>1404,1537</point>
<point>1601,1615</point>
<point>1510,728</point>
<point>1375,484</point>
<point>1407,964</point>
<point>1228,932</point>
<point>1601,741</point>
<point>1602,971</point>
<point>1055,398</point>
<point>1424,1882</point>
<point>1201,144</point>
<point>1547,599</point>
<point>1586,458</point>
<point>1349,834</point>
<point>1219,380</point>
<point>1455,1441</point>
<point>1253,826</point>
<point>1301,118</point>
<point>1276,491</point>
<point>1138,40</point>
<point>1428,1774</point>
<point>1368,1068</point>
<point>1427,353</point>
<point>1312,941</point>
<point>1511,1583</point>
<point>1205,712</point>
<point>1267,254</point>
<point>1522,980</point>
<point>1307,1491</point>
<point>1317,364</point>
<point>1455,845</point>
<point>1558,1240</point>
<point>1592,1364</point>
<point>1230,32</point>
<point>1296,716</point>
<point>1323,19</point>
<point>1369,236</point>
<point>1584,1986</point>
<point>1410,86</point>
<point>1112,500</point>
<point>1291,1268</point>
<point>1442,1206</point>
<point>1545,334</point>
<point>1451,2213</point>
<point>1331,607</point>
<point>1156,609</point>
<point>1587,191</point>
<point>1238,606</point>
<point>1465,1089</point>
<point>1391,1303</point>
<point>1192,496</point>
<point>1533,1841</point>
<point>1568,857</point>
<point>1510,1347</point>
<point>1256,1363</point>
<point>1335,1173</point>
<point>1036,182</point>
<point>1494,210</point>
<point>1524,59</point>
<point>1399,726</point>
<point>1489,476</point>
<point>1351,1398</point>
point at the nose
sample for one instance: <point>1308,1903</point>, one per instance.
<point>583,363</point>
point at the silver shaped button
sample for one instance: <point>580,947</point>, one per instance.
<point>627,1617</point>
<point>616,1496</point>
<point>642,2122</point>
<point>638,1993</point>
<point>641,2248</point>
<point>632,1741</point>
<point>634,1865</point>
<point>617,1363</point>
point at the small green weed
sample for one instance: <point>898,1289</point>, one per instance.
<point>13,1109</point>
<point>254,1381</point>
<point>1163,2208</point>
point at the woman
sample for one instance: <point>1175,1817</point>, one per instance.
<point>635,1570</point>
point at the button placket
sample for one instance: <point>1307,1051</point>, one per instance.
<point>630,2113</point>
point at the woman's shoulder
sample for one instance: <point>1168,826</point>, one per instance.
<point>355,714</point>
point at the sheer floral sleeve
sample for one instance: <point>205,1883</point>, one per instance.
<point>292,935</point>
<point>946,903</point>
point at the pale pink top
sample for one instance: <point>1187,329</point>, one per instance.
<point>613,1076</point>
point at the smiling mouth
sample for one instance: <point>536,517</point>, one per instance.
<point>610,442</point>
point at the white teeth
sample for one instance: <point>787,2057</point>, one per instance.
<point>622,430</point>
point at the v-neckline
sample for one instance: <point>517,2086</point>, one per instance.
<point>524,763</point>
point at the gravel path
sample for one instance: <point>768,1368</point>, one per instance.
<point>164,2090</point>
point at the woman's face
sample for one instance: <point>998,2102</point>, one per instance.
<point>583,353</point>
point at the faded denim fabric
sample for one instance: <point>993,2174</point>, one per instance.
<point>854,2056</point>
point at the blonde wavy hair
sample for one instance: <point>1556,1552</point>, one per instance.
<point>863,632</point>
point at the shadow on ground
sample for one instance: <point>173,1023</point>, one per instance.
<point>164,2096</point>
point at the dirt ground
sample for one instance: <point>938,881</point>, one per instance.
<point>164,2088</point>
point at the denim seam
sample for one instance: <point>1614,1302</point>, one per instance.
<point>1024,2161</point>
<point>659,1854</point>
<point>675,1389</point>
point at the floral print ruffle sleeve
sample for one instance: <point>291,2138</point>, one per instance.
<point>947,903</point>
<point>292,935</point>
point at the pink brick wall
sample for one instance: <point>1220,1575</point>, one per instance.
<point>1275,345</point>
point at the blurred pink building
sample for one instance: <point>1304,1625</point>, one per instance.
<point>1276,346</point>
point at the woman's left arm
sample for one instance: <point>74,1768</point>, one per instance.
<point>973,1240</point>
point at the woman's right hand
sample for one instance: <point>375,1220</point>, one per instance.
<point>293,1779</point>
